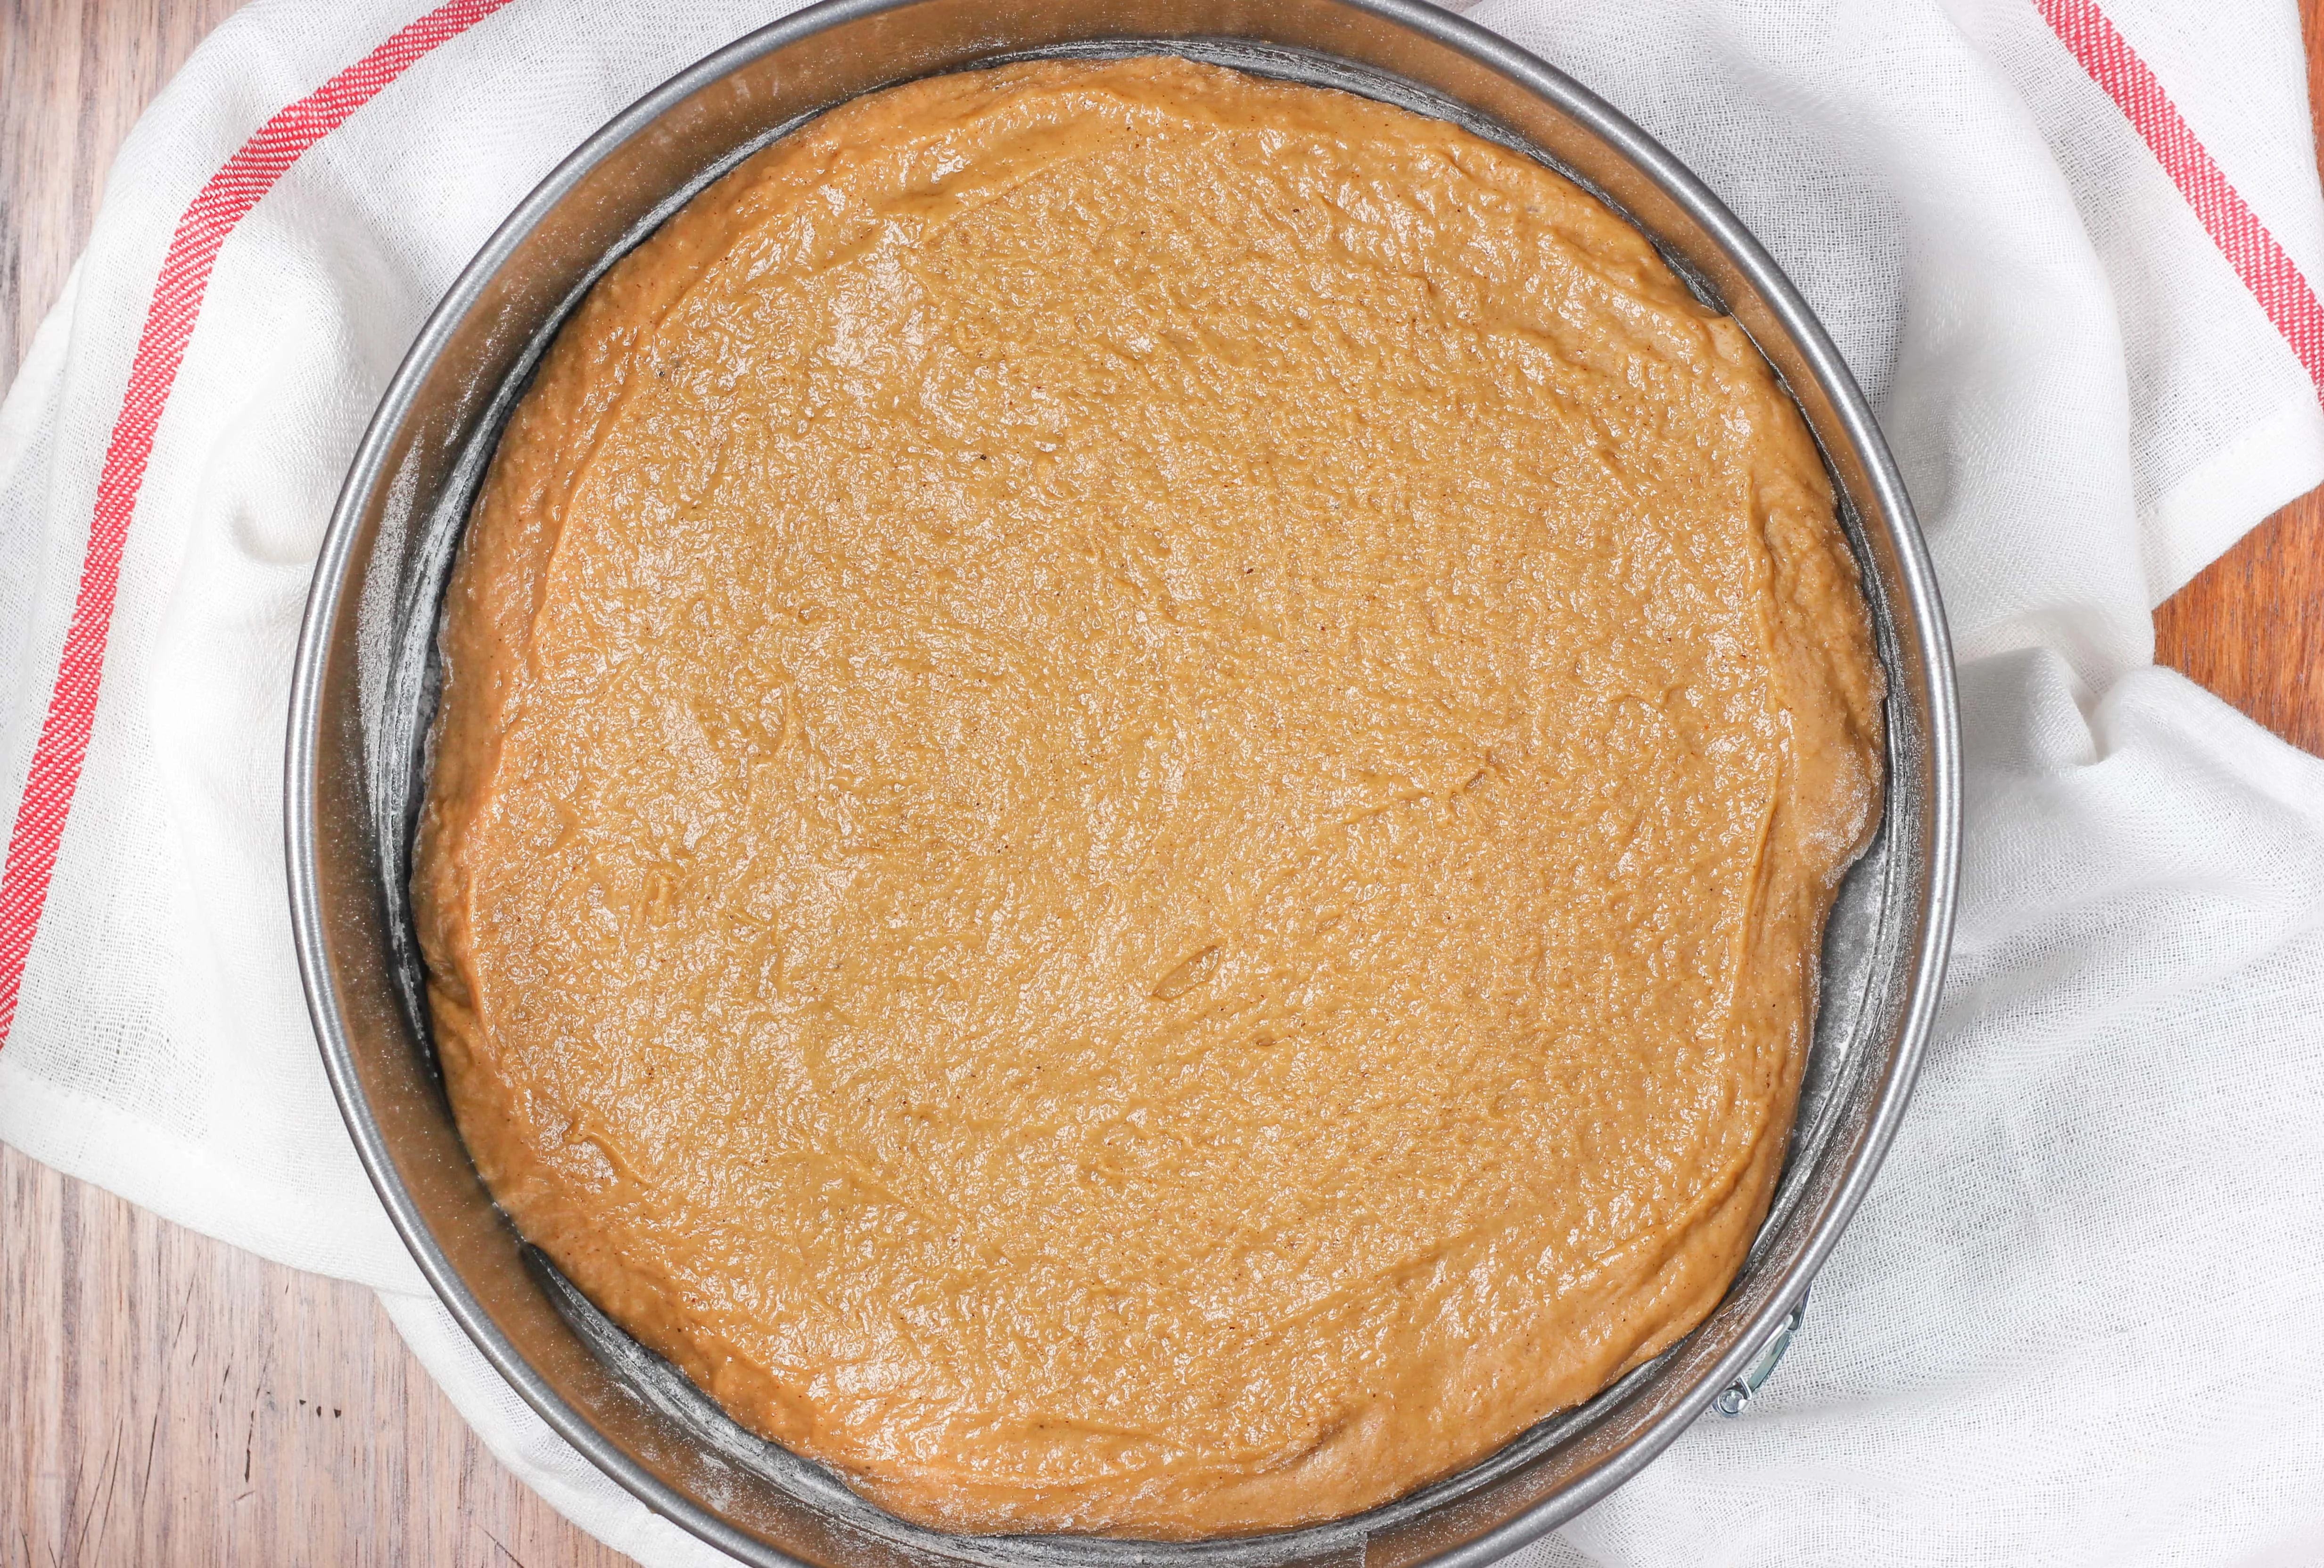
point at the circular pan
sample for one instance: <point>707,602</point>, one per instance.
<point>363,690</point>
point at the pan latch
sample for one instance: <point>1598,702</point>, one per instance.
<point>1736,1397</point>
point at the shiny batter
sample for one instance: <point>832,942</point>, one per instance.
<point>1138,780</point>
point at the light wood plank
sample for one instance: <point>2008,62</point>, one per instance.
<point>165,1399</point>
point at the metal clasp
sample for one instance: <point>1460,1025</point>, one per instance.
<point>1736,1397</point>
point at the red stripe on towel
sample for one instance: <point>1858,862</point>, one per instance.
<point>177,304</point>
<point>2274,279</point>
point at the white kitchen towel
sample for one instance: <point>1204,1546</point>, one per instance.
<point>2066,246</point>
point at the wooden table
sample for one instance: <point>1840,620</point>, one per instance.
<point>165,1399</point>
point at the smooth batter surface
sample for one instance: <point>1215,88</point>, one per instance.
<point>1139,776</point>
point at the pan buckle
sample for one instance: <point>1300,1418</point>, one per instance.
<point>1736,1397</point>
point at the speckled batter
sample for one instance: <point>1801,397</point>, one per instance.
<point>1137,783</point>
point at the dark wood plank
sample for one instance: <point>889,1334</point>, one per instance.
<point>2251,626</point>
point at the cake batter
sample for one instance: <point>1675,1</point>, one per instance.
<point>1137,783</point>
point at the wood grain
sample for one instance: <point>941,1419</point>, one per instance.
<point>166,1399</point>
<point>2251,625</point>
<point>74,77</point>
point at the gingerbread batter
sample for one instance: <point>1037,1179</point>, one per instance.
<point>1139,779</point>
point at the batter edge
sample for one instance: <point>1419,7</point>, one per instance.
<point>556,1102</point>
